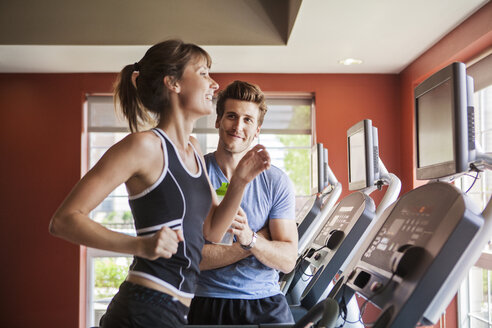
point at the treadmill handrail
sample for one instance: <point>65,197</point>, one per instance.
<point>389,198</point>
<point>391,195</point>
<point>332,179</point>
<point>313,228</point>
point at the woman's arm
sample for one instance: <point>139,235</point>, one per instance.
<point>221,215</point>
<point>134,158</point>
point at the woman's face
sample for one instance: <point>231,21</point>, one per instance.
<point>196,88</point>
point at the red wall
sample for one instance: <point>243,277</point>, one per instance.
<point>40,143</point>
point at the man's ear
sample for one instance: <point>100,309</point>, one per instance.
<point>257,131</point>
<point>172,84</point>
<point>217,122</point>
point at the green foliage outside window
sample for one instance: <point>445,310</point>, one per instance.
<point>127,217</point>
<point>110,272</point>
<point>297,161</point>
<point>485,283</point>
<point>118,217</point>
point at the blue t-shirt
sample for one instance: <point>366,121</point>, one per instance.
<point>269,196</point>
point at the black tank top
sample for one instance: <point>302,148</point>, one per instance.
<point>179,200</point>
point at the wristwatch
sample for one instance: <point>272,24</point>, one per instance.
<point>251,244</point>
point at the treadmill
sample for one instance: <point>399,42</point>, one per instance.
<point>337,240</point>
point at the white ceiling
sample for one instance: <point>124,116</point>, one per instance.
<point>386,34</point>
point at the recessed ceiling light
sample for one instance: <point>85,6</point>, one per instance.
<point>350,61</point>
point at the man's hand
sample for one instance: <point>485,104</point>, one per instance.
<point>164,243</point>
<point>241,229</point>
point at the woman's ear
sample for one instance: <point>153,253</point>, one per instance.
<point>171,84</point>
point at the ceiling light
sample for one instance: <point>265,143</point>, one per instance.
<point>350,61</point>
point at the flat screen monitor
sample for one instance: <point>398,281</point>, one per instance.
<point>326,181</point>
<point>314,170</point>
<point>363,155</point>
<point>443,111</point>
<point>319,168</point>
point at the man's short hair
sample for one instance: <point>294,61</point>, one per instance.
<point>244,91</point>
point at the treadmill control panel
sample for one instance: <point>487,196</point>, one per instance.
<point>342,219</point>
<point>407,260</point>
<point>411,223</point>
<point>331,248</point>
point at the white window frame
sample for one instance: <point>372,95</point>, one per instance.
<point>92,254</point>
<point>467,293</point>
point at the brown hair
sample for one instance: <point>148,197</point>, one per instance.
<point>245,91</point>
<point>145,102</point>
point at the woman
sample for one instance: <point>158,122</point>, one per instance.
<point>172,201</point>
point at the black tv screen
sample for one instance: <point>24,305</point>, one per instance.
<point>357,151</point>
<point>442,116</point>
<point>363,155</point>
<point>435,121</point>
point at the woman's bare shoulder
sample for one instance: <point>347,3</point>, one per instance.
<point>140,153</point>
<point>141,142</point>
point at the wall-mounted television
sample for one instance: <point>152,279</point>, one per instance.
<point>444,123</point>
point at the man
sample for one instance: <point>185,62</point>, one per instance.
<point>239,283</point>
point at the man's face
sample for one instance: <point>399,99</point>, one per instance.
<point>238,126</point>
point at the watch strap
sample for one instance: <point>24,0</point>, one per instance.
<point>251,244</point>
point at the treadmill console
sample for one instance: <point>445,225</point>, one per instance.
<point>331,248</point>
<point>338,222</point>
<point>343,219</point>
<point>414,225</point>
<point>421,240</point>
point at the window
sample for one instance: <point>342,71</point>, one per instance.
<point>286,132</point>
<point>105,270</point>
<point>475,295</point>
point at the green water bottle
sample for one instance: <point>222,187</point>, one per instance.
<point>221,191</point>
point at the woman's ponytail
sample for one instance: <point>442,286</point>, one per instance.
<point>127,100</point>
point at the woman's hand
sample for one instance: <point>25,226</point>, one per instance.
<point>253,163</point>
<point>164,243</point>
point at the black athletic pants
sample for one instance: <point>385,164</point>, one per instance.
<point>226,311</point>
<point>141,307</point>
